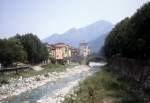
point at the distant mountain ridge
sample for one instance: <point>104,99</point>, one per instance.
<point>86,34</point>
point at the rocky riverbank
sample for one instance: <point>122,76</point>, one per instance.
<point>60,94</point>
<point>17,86</point>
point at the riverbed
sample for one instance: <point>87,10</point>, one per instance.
<point>54,91</point>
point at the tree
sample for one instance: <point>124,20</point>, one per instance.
<point>131,37</point>
<point>36,50</point>
<point>11,51</point>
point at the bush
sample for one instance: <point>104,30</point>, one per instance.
<point>53,60</point>
<point>37,79</point>
<point>46,75</point>
<point>61,62</point>
<point>4,81</point>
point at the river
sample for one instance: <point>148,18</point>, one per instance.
<point>52,91</point>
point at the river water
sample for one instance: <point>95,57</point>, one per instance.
<point>50,88</point>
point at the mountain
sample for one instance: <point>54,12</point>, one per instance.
<point>98,43</point>
<point>86,34</point>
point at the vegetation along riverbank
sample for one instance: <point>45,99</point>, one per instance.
<point>106,86</point>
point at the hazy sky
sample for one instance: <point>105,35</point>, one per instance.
<point>45,17</point>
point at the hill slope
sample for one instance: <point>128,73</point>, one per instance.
<point>98,43</point>
<point>86,34</point>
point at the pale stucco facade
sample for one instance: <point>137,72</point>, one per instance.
<point>84,49</point>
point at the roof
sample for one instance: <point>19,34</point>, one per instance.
<point>58,45</point>
<point>85,44</point>
<point>51,46</point>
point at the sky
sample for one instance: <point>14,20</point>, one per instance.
<point>45,17</point>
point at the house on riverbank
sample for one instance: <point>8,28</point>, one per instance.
<point>60,51</point>
<point>84,49</point>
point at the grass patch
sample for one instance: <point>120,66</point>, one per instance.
<point>104,87</point>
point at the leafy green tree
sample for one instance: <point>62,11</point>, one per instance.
<point>36,50</point>
<point>11,51</point>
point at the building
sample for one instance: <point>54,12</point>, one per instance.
<point>64,52</point>
<point>84,49</point>
<point>74,52</point>
<point>75,57</point>
<point>51,50</point>
<point>60,51</point>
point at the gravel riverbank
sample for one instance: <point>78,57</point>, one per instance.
<point>60,94</point>
<point>15,87</point>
